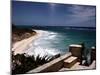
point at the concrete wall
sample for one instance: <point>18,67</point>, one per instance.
<point>76,50</point>
<point>52,66</point>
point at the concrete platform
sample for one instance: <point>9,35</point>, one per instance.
<point>80,67</point>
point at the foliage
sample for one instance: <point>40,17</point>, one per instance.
<point>22,63</point>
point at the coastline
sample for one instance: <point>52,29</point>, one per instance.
<point>20,46</point>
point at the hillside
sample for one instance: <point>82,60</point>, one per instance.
<point>19,34</point>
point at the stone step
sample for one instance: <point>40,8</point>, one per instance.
<point>68,63</point>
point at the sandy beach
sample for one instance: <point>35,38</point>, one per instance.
<point>20,46</point>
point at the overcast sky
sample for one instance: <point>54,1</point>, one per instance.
<point>35,13</point>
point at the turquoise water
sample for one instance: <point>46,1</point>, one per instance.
<point>56,40</point>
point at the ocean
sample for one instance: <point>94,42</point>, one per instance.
<point>56,39</point>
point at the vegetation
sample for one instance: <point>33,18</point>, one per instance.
<point>22,63</point>
<point>19,34</point>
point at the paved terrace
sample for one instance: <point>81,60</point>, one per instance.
<point>69,61</point>
<point>77,66</point>
<point>58,65</point>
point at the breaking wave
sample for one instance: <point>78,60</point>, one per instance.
<point>44,45</point>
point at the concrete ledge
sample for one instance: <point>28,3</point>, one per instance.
<point>75,45</point>
<point>52,66</point>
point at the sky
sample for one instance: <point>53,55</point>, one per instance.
<point>53,14</point>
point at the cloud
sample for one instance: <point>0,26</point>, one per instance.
<point>81,14</point>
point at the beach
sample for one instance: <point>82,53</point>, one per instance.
<point>20,46</point>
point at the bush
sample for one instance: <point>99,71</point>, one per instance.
<point>22,63</point>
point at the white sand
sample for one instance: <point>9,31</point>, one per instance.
<point>19,47</point>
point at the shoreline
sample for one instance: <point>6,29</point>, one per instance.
<point>20,46</point>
